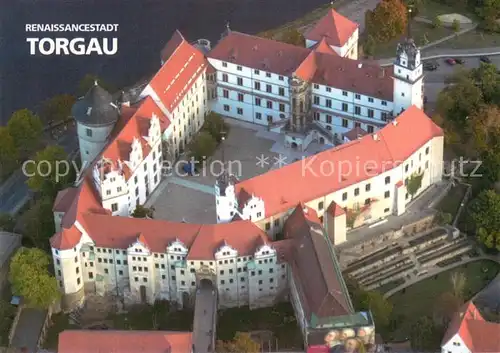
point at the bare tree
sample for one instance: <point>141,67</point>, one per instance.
<point>458,282</point>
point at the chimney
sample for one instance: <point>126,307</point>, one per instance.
<point>360,65</point>
<point>375,137</point>
<point>394,122</point>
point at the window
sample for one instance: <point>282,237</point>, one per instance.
<point>387,180</point>
<point>369,128</point>
<point>226,107</point>
<point>269,89</point>
<point>256,72</point>
<point>316,100</point>
<point>277,222</point>
<point>106,271</point>
<point>320,205</point>
<point>367,187</point>
<point>268,226</point>
<point>386,210</point>
<point>239,111</point>
<point>269,118</point>
<point>356,192</point>
<point>427,150</point>
<point>224,64</point>
<point>269,105</point>
<point>406,168</point>
<point>328,89</point>
<point>344,93</point>
<point>370,100</point>
<point>225,93</point>
<point>240,81</point>
<point>114,207</point>
<point>402,94</point>
<point>345,107</point>
<point>78,280</point>
<point>224,77</point>
<point>357,110</point>
<point>281,91</point>
<point>240,97</point>
<point>258,116</point>
<point>357,96</point>
<point>238,68</point>
<point>387,194</point>
<point>222,281</point>
<point>282,107</point>
<point>316,86</point>
<point>345,123</point>
<point>257,101</point>
<point>356,124</point>
<point>329,119</point>
<point>268,74</point>
<point>328,103</point>
<point>384,103</point>
<point>383,116</point>
<point>370,113</point>
<point>344,196</point>
<point>257,85</point>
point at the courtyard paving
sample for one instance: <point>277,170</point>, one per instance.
<point>249,150</point>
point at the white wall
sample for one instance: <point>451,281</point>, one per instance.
<point>90,146</point>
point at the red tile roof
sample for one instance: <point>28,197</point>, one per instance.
<point>336,28</point>
<point>335,210</point>
<point>477,334</point>
<point>95,341</point>
<point>302,181</point>
<point>179,72</point>
<point>259,53</point>
<point>348,75</point>
<point>355,134</point>
<point>323,47</point>
<point>64,199</point>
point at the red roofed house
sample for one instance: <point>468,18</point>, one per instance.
<point>340,33</point>
<point>469,332</point>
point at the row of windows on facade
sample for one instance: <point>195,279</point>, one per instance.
<point>345,122</point>
<point>258,101</point>
<point>255,72</point>
<point>242,279</point>
<point>256,86</point>
<point>356,95</point>
<point>357,109</point>
<point>136,180</point>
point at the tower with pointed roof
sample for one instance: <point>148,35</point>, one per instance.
<point>408,75</point>
<point>225,195</point>
<point>96,115</point>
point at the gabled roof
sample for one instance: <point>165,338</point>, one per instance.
<point>110,341</point>
<point>335,210</point>
<point>95,108</point>
<point>479,335</point>
<point>174,42</point>
<point>314,266</point>
<point>259,53</point>
<point>355,133</point>
<point>323,47</point>
<point>302,181</point>
<point>336,28</point>
<point>184,65</point>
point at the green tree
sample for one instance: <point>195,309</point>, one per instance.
<point>484,128</point>
<point>7,313</point>
<point>414,183</point>
<point>57,108</point>
<point>30,278</point>
<point>216,126</point>
<point>202,146</point>
<point>369,46</point>
<point>489,11</point>
<point>424,334</point>
<point>50,171</point>
<point>375,302</point>
<point>143,212</point>
<point>437,23</point>
<point>443,218</point>
<point>294,37</point>
<point>7,223</point>
<point>387,21</point>
<point>455,25</point>
<point>241,343</point>
<point>89,80</point>
<point>38,225</point>
<point>484,213</point>
<point>26,130</point>
<point>487,78</point>
<point>8,152</point>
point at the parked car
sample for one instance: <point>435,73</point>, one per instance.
<point>430,66</point>
<point>485,59</point>
<point>459,61</point>
<point>451,61</point>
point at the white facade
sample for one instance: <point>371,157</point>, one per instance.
<point>408,79</point>
<point>348,50</point>
<point>455,345</point>
<point>92,140</point>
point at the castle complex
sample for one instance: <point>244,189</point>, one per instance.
<point>370,116</point>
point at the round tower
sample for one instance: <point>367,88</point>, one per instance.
<point>95,115</point>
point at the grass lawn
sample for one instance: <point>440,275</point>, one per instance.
<point>451,202</point>
<point>420,299</point>
<point>146,317</point>
<point>470,40</point>
<point>422,33</point>
<point>432,9</point>
<point>60,322</point>
<point>280,320</point>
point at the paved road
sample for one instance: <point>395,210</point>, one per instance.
<point>204,319</point>
<point>14,193</point>
<point>434,80</point>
